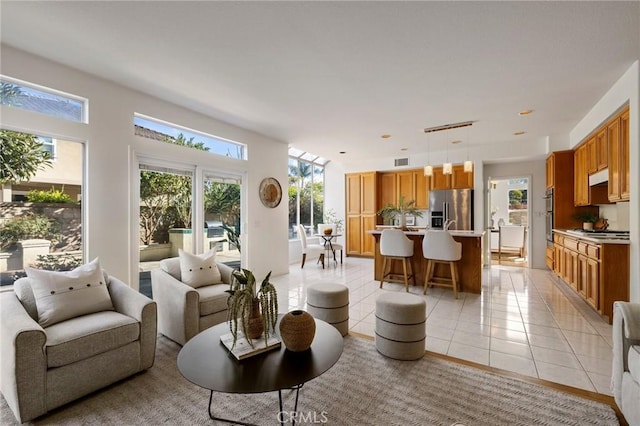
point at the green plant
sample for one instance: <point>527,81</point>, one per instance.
<point>234,237</point>
<point>586,217</point>
<point>21,156</point>
<point>330,216</point>
<point>51,196</point>
<point>58,262</point>
<point>242,295</point>
<point>27,227</point>
<point>403,208</point>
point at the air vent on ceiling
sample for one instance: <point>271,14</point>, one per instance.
<point>401,162</point>
<point>448,126</point>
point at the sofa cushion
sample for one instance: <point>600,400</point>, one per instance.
<point>634,362</point>
<point>63,295</point>
<point>213,298</point>
<point>83,337</point>
<point>199,270</point>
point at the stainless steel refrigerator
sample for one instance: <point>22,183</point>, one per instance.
<point>451,205</point>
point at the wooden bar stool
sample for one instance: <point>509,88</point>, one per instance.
<point>440,247</point>
<point>394,245</point>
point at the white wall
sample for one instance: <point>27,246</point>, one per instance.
<point>112,151</point>
<point>625,90</point>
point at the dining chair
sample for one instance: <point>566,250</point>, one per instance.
<point>311,249</point>
<point>438,246</point>
<point>511,239</point>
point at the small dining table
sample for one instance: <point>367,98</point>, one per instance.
<point>328,238</point>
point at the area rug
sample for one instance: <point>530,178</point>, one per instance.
<point>363,388</point>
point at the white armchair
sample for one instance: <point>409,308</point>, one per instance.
<point>625,372</point>
<point>184,311</point>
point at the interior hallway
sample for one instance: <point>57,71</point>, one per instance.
<point>524,321</point>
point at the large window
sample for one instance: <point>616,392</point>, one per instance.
<point>306,191</point>
<point>29,97</point>
<point>170,133</point>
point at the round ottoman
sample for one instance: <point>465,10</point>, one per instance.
<point>329,302</point>
<point>400,325</point>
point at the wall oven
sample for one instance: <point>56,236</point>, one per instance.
<point>549,214</point>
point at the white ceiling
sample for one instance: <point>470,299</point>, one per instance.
<point>334,76</point>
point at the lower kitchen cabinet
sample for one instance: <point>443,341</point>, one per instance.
<point>598,272</point>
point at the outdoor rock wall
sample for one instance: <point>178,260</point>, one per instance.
<point>67,216</point>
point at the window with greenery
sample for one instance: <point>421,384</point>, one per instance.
<point>151,128</point>
<point>16,94</point>
<point>306,192</point>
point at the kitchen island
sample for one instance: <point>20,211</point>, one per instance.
<point>469,267</point>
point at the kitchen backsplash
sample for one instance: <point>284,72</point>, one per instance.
<point>617,215</point>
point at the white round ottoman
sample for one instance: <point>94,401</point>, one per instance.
<point>329,302</point>
<point>400,325</point>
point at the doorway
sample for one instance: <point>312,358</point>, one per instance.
<point>509,220</point>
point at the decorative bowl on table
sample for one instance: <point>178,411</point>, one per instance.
<point>328,231</point>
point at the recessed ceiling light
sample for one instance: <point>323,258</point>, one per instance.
<point>525,112</point>
<point>456,142</point>
<point>343,152</point>
<point>404,149</point>
<point>519,133</point>
<point>385,136</point>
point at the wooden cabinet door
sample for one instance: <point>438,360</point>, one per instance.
<point>582,275</point>
<point>368,194</point>
<point>592,156</point>
<point>461,179</point>
<point>593,283</point>
<point>422,183</point>
<point>354,235</point>
<point>613,154</point>
<point>581,177</point>
<point>550,171</point>
<point>549,257</point>
<point>601,150</point>
<point>439,180</point>
<point>624,156</point>
<point>387,189</point>
<point>558,259</point>
<point>368,241</point>
<point>575,272</point>
<point>353,194</point>
<point>405,186</point>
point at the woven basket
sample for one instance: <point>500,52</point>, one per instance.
<point>297,330</point>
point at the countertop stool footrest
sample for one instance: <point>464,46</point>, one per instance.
<point>401,326</point>
<point>329,302</point>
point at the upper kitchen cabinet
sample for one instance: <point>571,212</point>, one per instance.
<point>410,184</point>
<point>581,175</point>
<point>459,179</point>
<point>602,155</point>
<point>550,171</point>
<point>618,156</point>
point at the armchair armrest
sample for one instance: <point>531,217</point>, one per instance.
<point>23,363</point>
<point>136,305</point>
<point>626,332</point>
<point>178,307</point>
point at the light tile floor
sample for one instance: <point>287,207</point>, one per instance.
<point>524,321</point>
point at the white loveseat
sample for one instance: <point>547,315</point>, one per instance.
<point>626,359</point>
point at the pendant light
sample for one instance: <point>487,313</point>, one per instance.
<point>447,167</point>
<point>468,164</point>
<point>428,169</point>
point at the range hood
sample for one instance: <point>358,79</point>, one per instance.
<point>600,177</point>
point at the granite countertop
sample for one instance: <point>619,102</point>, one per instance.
<point>591,239</point>
<point>475,234</point>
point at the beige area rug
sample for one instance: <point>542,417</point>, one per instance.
<point>363,388</point>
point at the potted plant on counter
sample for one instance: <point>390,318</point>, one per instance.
<point>404,208</point>
<point>587,219</point>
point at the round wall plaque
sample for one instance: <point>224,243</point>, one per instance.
<point>270,192</point>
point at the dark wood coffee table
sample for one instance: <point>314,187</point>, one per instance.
<point>206,362</point>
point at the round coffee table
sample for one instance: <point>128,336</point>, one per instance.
<point>206,362</point>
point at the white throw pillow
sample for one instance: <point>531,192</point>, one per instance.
<point>199,270</point>
<point>64,295</point>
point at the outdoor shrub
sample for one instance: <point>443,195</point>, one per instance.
<point>61,262</point>
<point>51,196</point>
<point>27,227</point>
